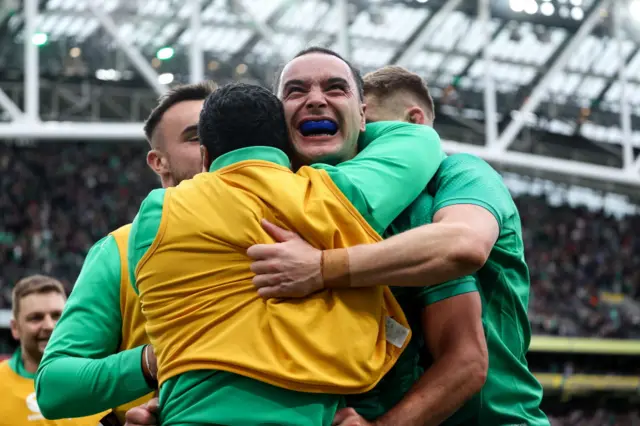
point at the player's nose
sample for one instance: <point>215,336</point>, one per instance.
<point>316,99</point>
<point>48,322</point>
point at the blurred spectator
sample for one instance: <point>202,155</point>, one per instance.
<point>585,270</point>
<point>57,199</point>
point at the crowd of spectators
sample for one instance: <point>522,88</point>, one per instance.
<point>57,199</point>
<point>585,270</point>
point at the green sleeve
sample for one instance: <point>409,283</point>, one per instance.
<point>467,179</point>
<point>396,163</point>
<point>436,293</point>
<point>82,372</point>
<point>144,230</point>
<point>420,213</point>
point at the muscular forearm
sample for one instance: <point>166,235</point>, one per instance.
<point>424,256</point>
<point>75,387</point>
<point>439,393</point>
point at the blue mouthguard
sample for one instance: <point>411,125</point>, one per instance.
<point>320,126</point>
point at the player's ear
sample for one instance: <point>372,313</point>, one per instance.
<point>363,118</point>
<point>157,162</point>
<point>415,115</point>
<point>15,332</point>
<point>204,154</point>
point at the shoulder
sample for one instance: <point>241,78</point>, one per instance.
<point>122,231</point>
<point>467,163</point>
<point>121,238</point>
<point>6,372</point>
<point>388,126</point>
<point>101,266</point>
<point>461,171</point>
<point>419,213</point>
<point>156,197</point>
<point>150,209</point>
<point>467,179</point>
<point>381,128</point>
<point>104,247</point>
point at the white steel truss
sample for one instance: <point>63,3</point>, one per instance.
<point>27,124</point>
<point>535,98</point>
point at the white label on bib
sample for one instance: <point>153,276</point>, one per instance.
<point>396,333</point>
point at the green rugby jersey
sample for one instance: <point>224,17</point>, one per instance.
<point>413,300</point>
<point>511,394</point>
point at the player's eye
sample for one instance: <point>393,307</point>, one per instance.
<point>294,90</point>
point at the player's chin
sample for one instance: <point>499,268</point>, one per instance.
<point>318,147</point>
<point>42,344</point>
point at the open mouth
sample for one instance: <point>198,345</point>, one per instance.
<point>318,128</point>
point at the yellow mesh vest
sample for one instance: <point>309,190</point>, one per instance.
<point>203,312</point>
<point>18,406</point>
<point>133,331</point>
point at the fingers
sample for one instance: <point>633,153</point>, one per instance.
<point>140,416</point>
<point>342,415</point>
<point>279,234</point>
<point>262,251</point>
<point>272,292</point>
<point>264,267</point>
<point>268,280</point>
<point>152,405</point>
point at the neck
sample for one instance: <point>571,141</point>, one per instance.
<point>167,181</point>
<point>30,365</point>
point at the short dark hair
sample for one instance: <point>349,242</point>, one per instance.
<point>355,72</point>
<point>240,115</point>
<point>187,92</point>
<point>387,80</point>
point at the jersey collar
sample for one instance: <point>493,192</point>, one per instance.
<point>264,153</point>
<point>16,364</point>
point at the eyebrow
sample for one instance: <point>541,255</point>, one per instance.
<point>189,129</point>
<point>332,80</point>
<point>293,83</point>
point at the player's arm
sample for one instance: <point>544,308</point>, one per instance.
<point>457,243</point>
<point>393,168</point>
<point>453,331</point>
<point>81,373</point>
<point>471,203</point>
<point>144,229</point>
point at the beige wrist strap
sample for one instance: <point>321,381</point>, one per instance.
<point>335,268</point>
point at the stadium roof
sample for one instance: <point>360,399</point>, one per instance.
<point>442,40</point>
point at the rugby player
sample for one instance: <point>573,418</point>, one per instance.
<point>37,303</point>
<point>220,347</point>
<point>96,359</point>
<point>476,227</point>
